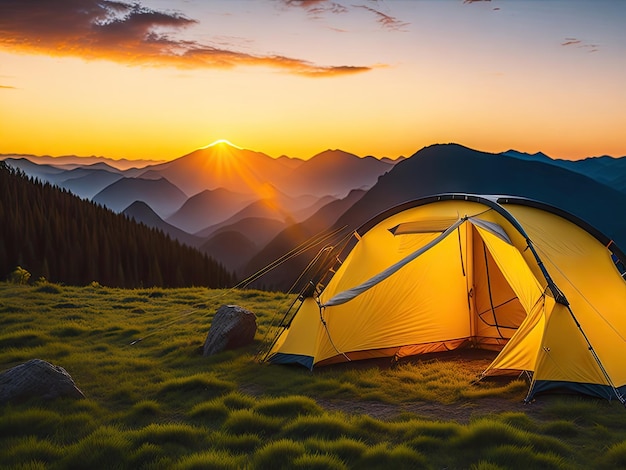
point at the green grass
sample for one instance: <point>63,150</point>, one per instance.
<point>154,402</point>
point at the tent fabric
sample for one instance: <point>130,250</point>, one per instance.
<point>344,297</point>
<point>456,271</point>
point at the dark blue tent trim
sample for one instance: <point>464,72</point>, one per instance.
<point>282,358</point>
<point>594,390</point>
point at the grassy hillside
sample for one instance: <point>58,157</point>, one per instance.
<point>159,404</point>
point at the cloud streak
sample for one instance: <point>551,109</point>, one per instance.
<point>386,21</point>
<point>317,8</point>
<point>129,34</point>
<point>574,42</point>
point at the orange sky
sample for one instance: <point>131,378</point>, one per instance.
<point>385,78</point>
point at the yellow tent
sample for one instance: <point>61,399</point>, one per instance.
<point>450,271</point>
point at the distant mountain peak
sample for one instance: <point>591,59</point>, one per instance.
<point>538,156</point>
<point>221,143</point>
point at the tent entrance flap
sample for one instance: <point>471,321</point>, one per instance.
<point>498,311</point>
<point>491,275</point>
<point>350,294</point>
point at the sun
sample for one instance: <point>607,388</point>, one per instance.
<point>221,142</point>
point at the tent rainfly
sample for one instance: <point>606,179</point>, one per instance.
<point>451,271</point>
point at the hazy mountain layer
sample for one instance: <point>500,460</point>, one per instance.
<point>454,168</point>
<point>161,195</point>
<point>247,209</point>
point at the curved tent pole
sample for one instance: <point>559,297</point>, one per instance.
<point>560,298</point>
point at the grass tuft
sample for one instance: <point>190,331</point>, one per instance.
<point>383,457</point>
<point>105,448</point>
<point>290,406</point>
<point>278,455</point>
<point>30,422</point>
<point>615,456</point>
<point>48,288</point>
<point>483,390</point>
<point>210,460</point>
<point>30,449</point>
<point>209,412</point>
<point>66,305</point>
<point>147,455</point>
<point>368,425</point>
<point>238,401</point>
<point>487,432</point>
<point>246,421</point>
<point>549,444</point>
<point>170,433</point>
<point>560,428</point>
<point>511,456</point>
<point>143,412</point>
<point>518,420</point>
<point>484,465</point>
<point>319,462</point>
<point>579,410</point>
<point>330,426</point>
<point>347,449</point>
<point>198,386</point>
<point>436,429</point>
<point>236,443</point>
<point>22,339</point>
<point>68,331</point>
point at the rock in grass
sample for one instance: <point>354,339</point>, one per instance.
<point>37,379</point>
<point>232,327</point>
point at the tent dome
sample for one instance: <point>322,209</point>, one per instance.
<point>543,288</point>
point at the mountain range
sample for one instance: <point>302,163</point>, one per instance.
<point>246,209</point>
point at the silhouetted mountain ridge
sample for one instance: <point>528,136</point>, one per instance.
<point>446,168</point>
<point>454,168</point>
<point>208,207</point>
<point>335,172</point>
<point>161,195</point>
<point>143,213</point>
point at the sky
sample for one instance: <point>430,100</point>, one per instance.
<point>157,79</point>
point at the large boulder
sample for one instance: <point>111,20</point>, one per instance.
<point>37,379</point>
<point>232,327</point>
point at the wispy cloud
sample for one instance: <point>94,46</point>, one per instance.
<point>385,20</point>
<point>7,87</point>
<point>480,1</point>
<point>574,42</point>
<point>129,33</point>
<point>570,42</point>
<point>318,8</point>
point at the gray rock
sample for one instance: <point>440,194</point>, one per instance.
<point>232,327</point>
<point>37,379</point>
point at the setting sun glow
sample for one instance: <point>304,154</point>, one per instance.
<point>153,79</point>
<point>221,142</point>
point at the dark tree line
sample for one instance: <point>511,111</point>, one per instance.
<point>56,235</point>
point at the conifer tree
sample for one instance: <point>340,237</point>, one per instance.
<point>51,233</point>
